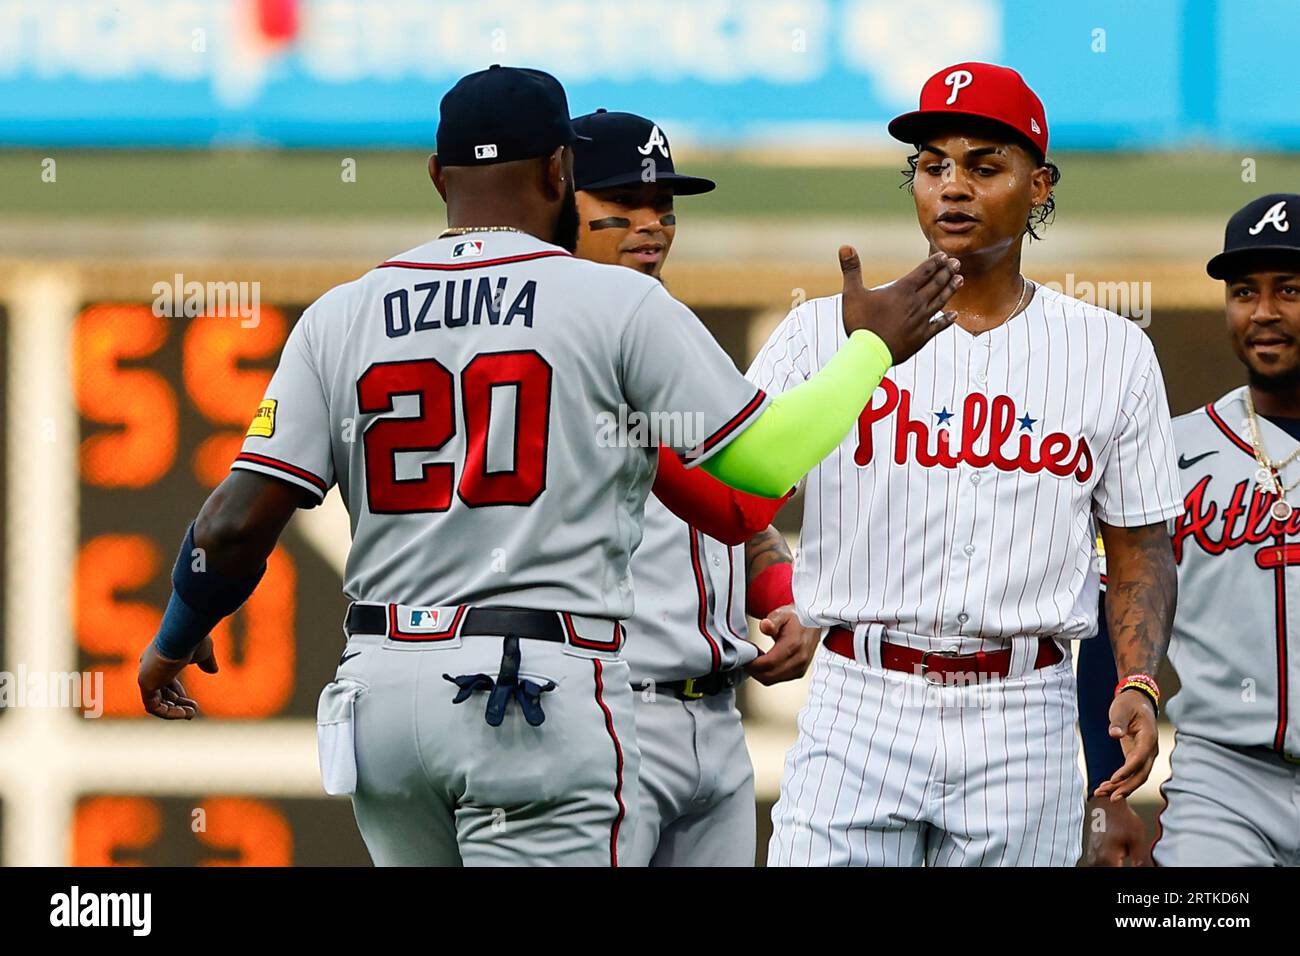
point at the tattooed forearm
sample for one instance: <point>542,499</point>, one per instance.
<point>765,549</point>
<point>1141,592</point>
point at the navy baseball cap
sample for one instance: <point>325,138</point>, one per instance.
<point>614,149</point>
<point>503,114</point>
<point>1258,229</point>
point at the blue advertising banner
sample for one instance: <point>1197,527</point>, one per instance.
<point>315,73</point>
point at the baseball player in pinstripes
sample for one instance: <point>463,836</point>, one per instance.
<point>947,545</point>
<point>1233,796</point>
<point>482,713</point>
<point>686,647</point>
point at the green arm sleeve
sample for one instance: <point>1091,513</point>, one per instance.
<point>802,426</point>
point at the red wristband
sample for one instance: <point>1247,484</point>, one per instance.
<point>770,590</point>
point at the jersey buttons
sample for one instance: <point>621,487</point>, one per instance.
<point>969,549</point>
<point>963,617</point>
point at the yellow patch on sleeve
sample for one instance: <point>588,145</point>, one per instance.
<point>264,421</point>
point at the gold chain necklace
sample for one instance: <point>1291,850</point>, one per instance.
<point>461,230</point>
<point>1024,287</point>
<point>1269,476</point>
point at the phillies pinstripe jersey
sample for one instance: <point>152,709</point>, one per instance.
<point>481,402</point>
<point>959,509</point>
<point>1236,641</point>
<point>690,602</point>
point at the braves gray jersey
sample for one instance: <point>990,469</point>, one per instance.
<point>958,513</point>
<point>1236,640</point>
<point>481,403</point>
<point>690,602</point>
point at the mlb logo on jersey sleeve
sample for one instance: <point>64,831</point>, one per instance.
<point>468,249</point>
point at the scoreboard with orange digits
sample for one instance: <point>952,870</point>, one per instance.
<point>214,830</point>
<point>163,405</point>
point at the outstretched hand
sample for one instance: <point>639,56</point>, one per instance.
<point>161,691</point>
<point>902,313</point>
<point>1133,724</point>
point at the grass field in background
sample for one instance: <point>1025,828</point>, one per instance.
<point>222,185</point>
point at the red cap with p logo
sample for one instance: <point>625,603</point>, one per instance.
<point>985,90</point>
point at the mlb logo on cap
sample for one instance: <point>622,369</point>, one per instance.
<point>486,151</point>
<point>467,249</point>
<point>982,90</point>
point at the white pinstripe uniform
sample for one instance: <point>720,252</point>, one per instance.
<point>957,518</point>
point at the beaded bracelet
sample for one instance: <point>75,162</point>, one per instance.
<point>1144,683</point>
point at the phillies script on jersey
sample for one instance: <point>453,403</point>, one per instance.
<point>988,421</point>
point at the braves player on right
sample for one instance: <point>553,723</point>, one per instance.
<point>1233,798</point>
<point>947,545</point>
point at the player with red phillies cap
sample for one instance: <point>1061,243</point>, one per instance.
<point>949,549</point>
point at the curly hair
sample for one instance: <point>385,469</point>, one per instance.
<point>1038,216</point>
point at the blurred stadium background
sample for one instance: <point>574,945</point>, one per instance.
<point>282,143</point>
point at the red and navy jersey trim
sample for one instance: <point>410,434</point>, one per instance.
<point>733,424</point>
<point>618,764</point>
<point>476,264</point>
<point>1228,432</point>
<point>1279,597</point>
<point>613,644</point>
<point>266,461</point>
<point>702,601</point>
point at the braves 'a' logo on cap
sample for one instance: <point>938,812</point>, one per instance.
<point>656,140</point>
<point>1275,217</point>
<point>958,80</point>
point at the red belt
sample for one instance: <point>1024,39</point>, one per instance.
<point>912,660</point>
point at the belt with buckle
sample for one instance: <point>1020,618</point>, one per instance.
<point>941,664</point>
<point>490,621</point>
<point>693,688</point>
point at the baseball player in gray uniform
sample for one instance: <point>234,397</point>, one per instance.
<point>686,647</point>
<point>482,712</point>
<point>1233,798</point>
